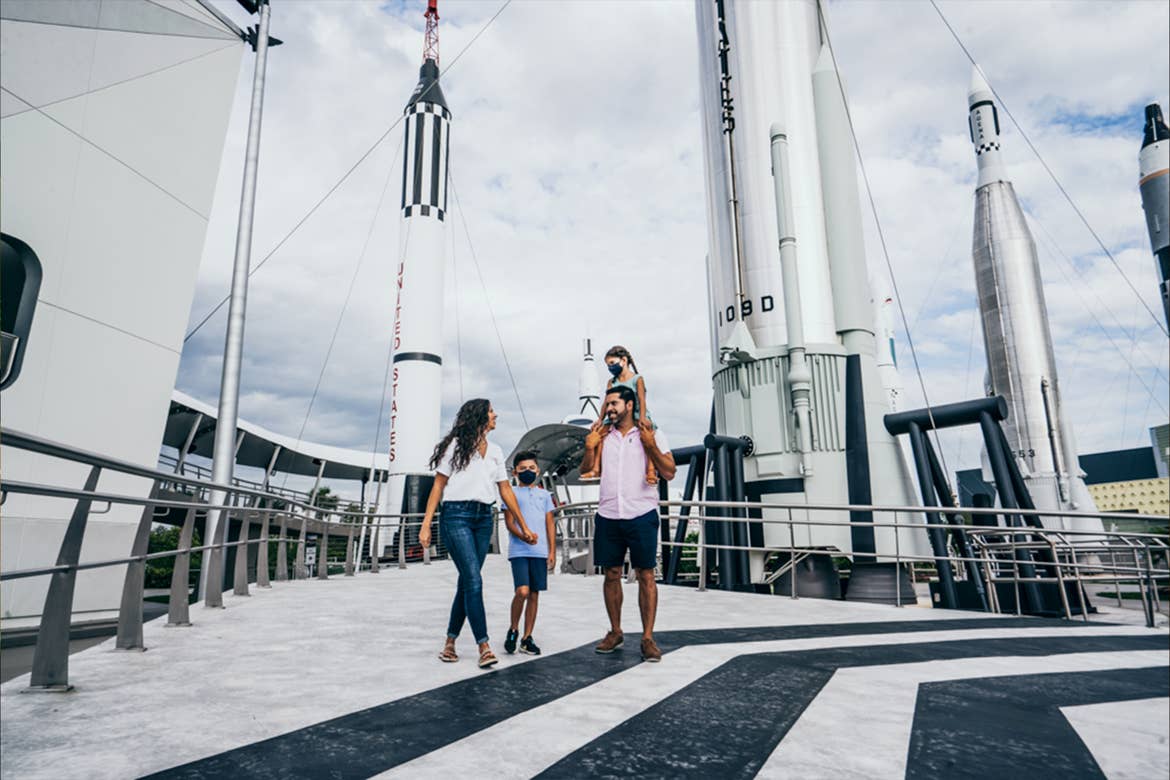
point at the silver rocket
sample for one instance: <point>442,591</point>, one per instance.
<point>1154,182</point>
<point>1020,362</point>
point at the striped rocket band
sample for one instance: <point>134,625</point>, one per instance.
<point>424,168</point>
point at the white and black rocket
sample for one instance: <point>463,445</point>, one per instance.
<point>417,368</point>
<point>1154,183</point>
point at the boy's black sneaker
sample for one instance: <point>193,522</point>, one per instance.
<point>529,647</point>
<point>510,641</point>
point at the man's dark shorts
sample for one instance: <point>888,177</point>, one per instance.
<point>531,573</point>
<point>611,539</point>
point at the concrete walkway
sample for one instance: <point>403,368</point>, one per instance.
<point>340,678</point>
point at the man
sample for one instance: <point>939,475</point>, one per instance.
<point>627,512</point>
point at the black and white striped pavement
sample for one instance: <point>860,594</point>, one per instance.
<point>749,686</point>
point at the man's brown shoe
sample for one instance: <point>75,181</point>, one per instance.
<point>613,640</point>
<point>650,651</point>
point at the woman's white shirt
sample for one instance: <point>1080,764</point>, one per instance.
<point>479,481</point>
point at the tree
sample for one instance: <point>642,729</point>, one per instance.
<point>324,498</point>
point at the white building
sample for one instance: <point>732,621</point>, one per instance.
<point>114,116</point>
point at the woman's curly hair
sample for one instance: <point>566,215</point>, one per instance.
<point>470,426</point>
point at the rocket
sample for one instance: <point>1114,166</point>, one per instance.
<point>1021,366</point>
<point>417,342</point>
<point>588,390</point>
<point>1154,182</point>
<point>794,356</point>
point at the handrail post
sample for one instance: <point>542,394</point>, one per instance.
<point>323,547</point>
<point>898,565</point>
<point>282,548</point>
<point>178,607</point>
<point>240,580</point>
<point>702,554</point>
<point>130,611</point>
<point>402,542</point>
<point>1059,575</point>
<point>349,551</point>
<point>262,552</point>
<point>50,670</point>
<point>212,573</point>
<point>791,555</point>
<point>300,571</point>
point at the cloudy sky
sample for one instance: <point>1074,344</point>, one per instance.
<point>576,159</point>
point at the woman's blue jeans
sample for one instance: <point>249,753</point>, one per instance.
<point>466,528</point>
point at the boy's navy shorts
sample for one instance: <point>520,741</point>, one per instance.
<point>531,573</point>
<point>611,539</point>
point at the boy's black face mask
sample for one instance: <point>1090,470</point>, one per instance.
<point>527,477</point>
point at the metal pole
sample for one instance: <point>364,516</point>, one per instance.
<point>223,459</point>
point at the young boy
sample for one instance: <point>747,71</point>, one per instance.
<point>531,562</point>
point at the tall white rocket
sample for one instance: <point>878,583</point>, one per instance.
<point>416,378</point>
<point>791,311</point>
<point>1021,366</point>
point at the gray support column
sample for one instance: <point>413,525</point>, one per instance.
<point>223,460</point>
<point>262,553</point>
<point>178,611</point>
<point>50,670</point>
<point>282,549</point>
<point>187,443</point>
<point>130,612</point>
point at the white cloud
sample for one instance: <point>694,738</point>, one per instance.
<point>577,160</point>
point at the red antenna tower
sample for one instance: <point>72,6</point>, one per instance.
<point>431,44</point>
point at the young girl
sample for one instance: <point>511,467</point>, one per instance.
<point>623,371</point>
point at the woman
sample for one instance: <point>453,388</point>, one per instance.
<point>469,472</point>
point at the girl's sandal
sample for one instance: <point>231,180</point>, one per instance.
<point>487,659</point>
<point>448,656</point>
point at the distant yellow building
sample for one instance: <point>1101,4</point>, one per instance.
<point>1143,496</point>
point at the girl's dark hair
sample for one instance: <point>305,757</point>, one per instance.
<point>618,351</point>
<point>470,426</point>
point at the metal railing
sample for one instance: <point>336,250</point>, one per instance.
<point>1021,556</point>
<point>296,520</point>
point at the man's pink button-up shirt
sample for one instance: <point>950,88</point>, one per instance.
<point>624,492</point>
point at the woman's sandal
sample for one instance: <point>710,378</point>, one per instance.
<point>487,659</point>
<point>448,655</point>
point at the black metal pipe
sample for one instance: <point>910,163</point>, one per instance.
<point>938,542</point>
<point>974,576</point>
<point>947,415</point>
<point>713,440</point>
<point>997,457</point>
<point>739,527</point>
<point>696,472</point>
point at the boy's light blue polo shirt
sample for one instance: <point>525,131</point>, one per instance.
<point>534,504</point>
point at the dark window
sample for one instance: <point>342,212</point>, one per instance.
<point>20,282</point>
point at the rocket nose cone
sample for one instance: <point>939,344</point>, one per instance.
<point>979,89</point>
